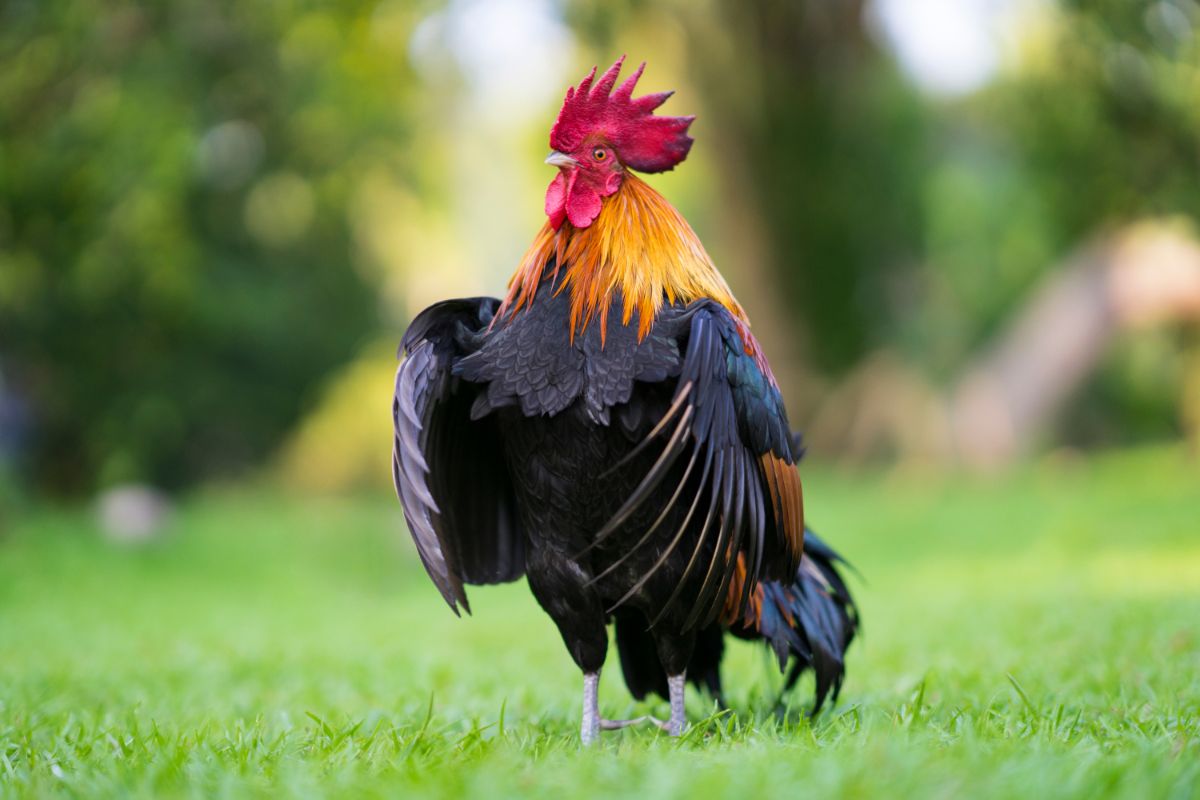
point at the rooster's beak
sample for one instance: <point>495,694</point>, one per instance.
<point>561,160</point>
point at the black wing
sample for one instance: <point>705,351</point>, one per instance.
<point>728,419</point>
<point>449,470</point>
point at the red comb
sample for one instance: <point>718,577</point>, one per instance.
<point>643,141</point>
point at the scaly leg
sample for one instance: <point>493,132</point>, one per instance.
<point>590,730</point>
<point>675,651</point>
<point>678,721</point>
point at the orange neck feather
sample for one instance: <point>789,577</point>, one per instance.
<point>638,245</point>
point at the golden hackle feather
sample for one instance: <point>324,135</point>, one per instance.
<point>640,246</point>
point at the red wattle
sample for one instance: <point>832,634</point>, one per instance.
<point>573,199</point>
<point>556,201</point>
<point>583,204</point>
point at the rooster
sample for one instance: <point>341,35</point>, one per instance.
<point>612,431</point>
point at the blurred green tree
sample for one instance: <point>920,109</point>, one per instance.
<point>176,263</point>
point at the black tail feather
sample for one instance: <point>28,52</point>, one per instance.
<point>809,623</point>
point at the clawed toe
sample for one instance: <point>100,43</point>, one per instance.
<point>618,724</point>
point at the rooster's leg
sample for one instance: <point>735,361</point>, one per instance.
<point>675,651</point>
<point>562,588</point>
<point>591,708</point>
<point>678,721</point>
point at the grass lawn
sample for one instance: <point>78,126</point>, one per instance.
<point>1033,636</point>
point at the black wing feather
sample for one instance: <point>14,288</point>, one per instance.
<point>449,470</point>
<point>732,412</point>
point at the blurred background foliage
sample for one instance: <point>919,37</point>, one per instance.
<point>175,244</point>
<point>215,218</point>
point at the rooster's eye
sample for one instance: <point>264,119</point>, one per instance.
<point>599,154</point>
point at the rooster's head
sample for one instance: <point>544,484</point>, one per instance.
<point>599,134</point>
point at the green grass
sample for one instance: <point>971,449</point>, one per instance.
<point>1033,636</point>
